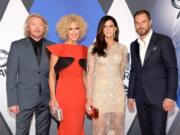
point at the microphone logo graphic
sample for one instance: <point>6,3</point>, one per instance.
<point>176,4</point>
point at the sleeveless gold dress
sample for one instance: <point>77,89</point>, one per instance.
<point>105,88</point>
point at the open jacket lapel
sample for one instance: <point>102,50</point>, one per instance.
<point>30,52</point>
<point>44,55</point>
<point>138,53</point>
<point>151,45</point>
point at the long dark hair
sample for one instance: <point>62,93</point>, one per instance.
<point>100,44</point>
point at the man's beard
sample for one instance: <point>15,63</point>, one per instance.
<point>143,31</point>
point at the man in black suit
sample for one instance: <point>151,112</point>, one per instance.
<point>27,78</point>
<point>153,76</point>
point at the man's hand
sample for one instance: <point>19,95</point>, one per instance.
<point>168,104</point>
<point>14,109</point>
<point>131,104</point>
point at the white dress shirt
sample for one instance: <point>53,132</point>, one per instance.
<point>143,45</point>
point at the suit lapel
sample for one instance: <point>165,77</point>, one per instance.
<point>138,53</point>
<point>44,54</point>
<point>150,47</point>
<point>31,52</point>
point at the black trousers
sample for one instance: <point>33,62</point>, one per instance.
<point>42,120</point>
<point>152,118</point>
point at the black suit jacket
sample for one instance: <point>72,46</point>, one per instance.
<point>157,78</point>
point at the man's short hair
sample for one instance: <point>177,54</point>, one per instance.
<point>143,11</point>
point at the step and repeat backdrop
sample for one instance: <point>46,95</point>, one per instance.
<point>165,16</point>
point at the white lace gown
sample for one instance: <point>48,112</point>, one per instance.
<point>105,89</point>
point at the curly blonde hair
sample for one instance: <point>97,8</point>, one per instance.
<point>34,15</point>
<point>64,23</point>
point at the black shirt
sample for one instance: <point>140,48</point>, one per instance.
<point>37,46</point>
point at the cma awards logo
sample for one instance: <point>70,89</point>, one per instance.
<point>176,4</point>
<point>3,62</point>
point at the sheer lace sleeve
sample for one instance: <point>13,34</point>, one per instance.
<point>90,71</point>
<point>124,61</point>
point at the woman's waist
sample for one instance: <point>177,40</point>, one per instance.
<point>114,76</point>
<point>107,72</point>
<point>71,74</point>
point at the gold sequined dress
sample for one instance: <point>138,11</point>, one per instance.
<point>105,89</point>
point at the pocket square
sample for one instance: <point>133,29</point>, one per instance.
<point>154,48</point>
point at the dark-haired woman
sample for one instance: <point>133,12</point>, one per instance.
<point>105,90</point>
